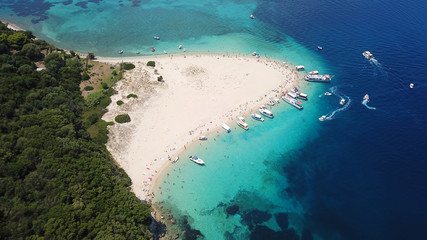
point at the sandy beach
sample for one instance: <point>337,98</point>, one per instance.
<point>198,94</point>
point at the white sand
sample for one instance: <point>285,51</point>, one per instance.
<point>199,93</point>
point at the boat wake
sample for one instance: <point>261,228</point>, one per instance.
<point>378,66</point>
<point>344,107</point>
<point>365,102</point>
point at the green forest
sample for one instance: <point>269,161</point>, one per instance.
<point>57,179</point>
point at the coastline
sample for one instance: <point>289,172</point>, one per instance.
<point>125,140</point>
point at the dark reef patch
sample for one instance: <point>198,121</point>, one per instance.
<point>254,217</point>
<point>282,220</point>
<point>36,8</point>
<point>232,210</point>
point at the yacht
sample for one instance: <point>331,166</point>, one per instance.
<point>314,76</point>
<point>257,117</point>
<point>264,111</point>
<point>197,160</point>
<point>242,124</point>
<point>226,127</point>
<point>322,118</point>
<point>328,94</point>
<point>368,55</point>
<point>292,101</point>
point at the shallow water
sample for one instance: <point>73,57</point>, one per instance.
<point>360,175</point>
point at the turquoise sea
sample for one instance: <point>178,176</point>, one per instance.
<point>360,175</point>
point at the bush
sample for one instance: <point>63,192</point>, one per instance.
<point>120,102</point>
<point>85,76</point>
<point>160,78</point>
<point>151,63</point>
<point>128,66</point>
<point>132,96</point>
<point>122,118</point>
<point>104,85</point>
<point>88,88</point>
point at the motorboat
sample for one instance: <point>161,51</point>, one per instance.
<point>157,37</point>
<point>366,97</point>
<point>299,68</point>
<point>203,138</point>
<point>242,124</point>
<point>319,48</point>
<point>292,101</point>
<point>342,101</point>
<point>314,76</point>
<point>292,95</point>
<point>411,85</point>
<point>226,127</point>
<point>241,118</point>
<point>300,95</point>
<point>277,100</point>
<point>328,94</point>
<point>264,111</point>
<point>184,50</point>
<point>368,55</point>
<point>180,46</point>
<point>271,103</point>
<point>153,49</point>
<point>121,52</point>
<point>197,160</point>
<point>176,159</point>
<point>252,16</point>
<point>165,52</point>
<point>257,117</point>
<point>322,118</point>
<point>138,52</point>
<point>254,54</point>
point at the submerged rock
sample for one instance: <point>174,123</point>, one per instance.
<point>232,210</point>
<point>282,220</point>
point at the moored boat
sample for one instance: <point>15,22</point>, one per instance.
<point>299,67</point>
<point>242,124</point>
<point>314,76</point>
<point>153,49</point>
<point>121,51</point>
<point>264,111</point>
<point>300,95</point>
<point>292,101</point>
<point>257,117</point>
<point>271,103</point>
<point>180,46</point>
<point>157,37</point>
<point>202,138</point>
<point>176,159</point>
<point>368,55</point>
<point>226,127</point>
<point>197,160</point>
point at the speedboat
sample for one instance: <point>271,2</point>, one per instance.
<point>314,76</point>
<point>180,46</point>
<point>157,37</point>
<point>411,85</point>
<point>292,101</point>
<point>264,111</point>
<point>226,127</point>
<point>197,160</point>
<point>153,49</point>
<point>252,16</point>
<point>322,118</point>
<point>299,68</point>
<point>328,94</point>
<point>366,97</point>
<point>319,48</point>
<point>121,51</point>
<point>368,55</point>
<point>257,117</point>
<point>202,138</point>
<point>342,101</point>
<point>242,124</point>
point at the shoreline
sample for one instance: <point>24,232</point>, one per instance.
<point>156,167</point>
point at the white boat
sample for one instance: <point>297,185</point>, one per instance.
<point>254,54</point>
<point>300,95</point>
<point>342,101</point>
<point>322,118</point>
<point>277,100</point>
<point>292,95</point>
<point>257,117</point>
<point>292,101</point>
<point>368,55</point>
<point>241,118</point>
<point>202,138</point>
<point>411,85</point>
<point>264,111</point>
<point>320,47</point>
<point>121,51</point>
<point>328,94</point>
<point>252,16</point>
<point>366,98</point>
<point>165,52</point>
<point>299,68</point>
<point>180,46</point>
<point>271,103</point>
<point>314,76</point>
<point>226,127</point>
<point>176,159</point>
<point>197,160</point>
<point>184,50</point>
<point>157,37</point>
<point>242,124</point>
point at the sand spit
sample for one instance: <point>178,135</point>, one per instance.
<point>198,94</point>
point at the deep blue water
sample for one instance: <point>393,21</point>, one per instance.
<point>365,175</point>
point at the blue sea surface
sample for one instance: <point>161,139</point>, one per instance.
<point>361,174</point>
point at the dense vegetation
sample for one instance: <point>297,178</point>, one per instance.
<point>151,63</point>
<point>132,95</point>
<point>57,180</point>
<point>122,118</point>
<point>128,66</point>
